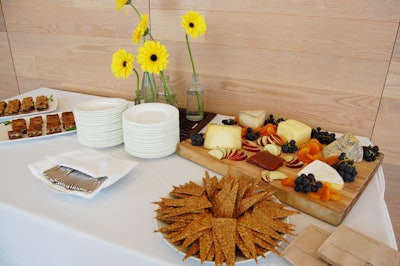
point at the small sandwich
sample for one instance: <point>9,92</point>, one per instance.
<point>68,120</point>
<point>3,106</point>
<point>27,105</point>
<point>19,125</point>
<point>53,124</point>
<point>35,126</point>
<point>42,103</point>
<point>13,107</point>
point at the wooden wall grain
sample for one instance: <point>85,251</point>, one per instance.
<point>8,81</point>
<point>323,63</point>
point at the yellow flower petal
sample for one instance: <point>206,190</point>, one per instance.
<point>194,24</point>
<point>141,29</point>
<point>153,57</point>
<point>121,3</point>
<point>122,64</point>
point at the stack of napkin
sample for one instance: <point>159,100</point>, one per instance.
<point>91,162</point>
<point>345,246</point>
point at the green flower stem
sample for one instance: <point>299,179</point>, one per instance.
<point>166,89</point>
<point>199,103</point>
<point>137,11</point>
<point>137,87</point>
<point>190,54</point>
<point>153,95</point>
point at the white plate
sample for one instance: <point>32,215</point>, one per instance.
<point>53,103</point>
<point>150,115</point>
<point>101,106</point>
<point>5,128</point>
<point>239,259</point>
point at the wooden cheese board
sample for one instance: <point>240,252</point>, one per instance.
<point>332,212</point>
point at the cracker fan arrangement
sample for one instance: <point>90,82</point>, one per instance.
<point>223,220</point>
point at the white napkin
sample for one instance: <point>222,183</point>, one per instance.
<point>88,161</point>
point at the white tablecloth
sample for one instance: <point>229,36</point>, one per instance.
<point>41,227</point>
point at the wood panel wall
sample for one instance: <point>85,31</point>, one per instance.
<point>8,81</point>
<point>324,63</point>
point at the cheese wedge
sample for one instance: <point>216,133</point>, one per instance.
<point>293,129</point>
<point>223,136</point>
<point>252,118</point>
<point>348,144</point>
<point>325,173</point>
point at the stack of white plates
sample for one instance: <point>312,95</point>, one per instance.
<point>151,130</point>
<point>99,122</point>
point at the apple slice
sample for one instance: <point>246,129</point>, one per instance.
<point>238,156</point>
<point>224,152</point>
<point>295,164</point>
<point>217,153</point>
<point>230,153</point>
<point>275,139</point>
<point>288,157</point>
<point>265,175</point>
<point>269,176</point>
<point>250,146</point>
<point>273,149</point>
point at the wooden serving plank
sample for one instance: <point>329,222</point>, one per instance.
<point>332,212</point>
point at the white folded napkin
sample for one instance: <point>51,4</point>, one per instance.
<point>88,161</point>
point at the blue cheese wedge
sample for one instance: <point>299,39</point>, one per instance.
<point>325,173</point>
<point>348,144</point>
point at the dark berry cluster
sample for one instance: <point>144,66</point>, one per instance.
<point>370,153</point>
<point>271,120</point>
<point>251,134</point>
<point>290,147</point>
<point>346,168</point>
<point>229,121</point>
<point>324,137</point>
<point>197,139</point>
<point>307,183</point>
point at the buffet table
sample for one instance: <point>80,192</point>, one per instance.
<point>39,226</point>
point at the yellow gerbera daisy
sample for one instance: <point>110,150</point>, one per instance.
<point>141,29</point>
<point>122,64</point>
<point>121,3</point>
<point>194,24</point>
<point>153,57</point>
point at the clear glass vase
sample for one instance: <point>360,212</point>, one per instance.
<point>148,88</point>
<point>194,100</point>
<point>164,91</point>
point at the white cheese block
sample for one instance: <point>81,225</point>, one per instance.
<point>223,136</point>
<point>348,144</point>
<point>293,129</point>
<point>252,118</point>
<point>325,173</point>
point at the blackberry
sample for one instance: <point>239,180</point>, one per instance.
<point>346,168</point>
<point>290,147</point>
<point>324,137</point>
<point>229,121</point>
<point>307,183</point>
<point>197,139</point>
<point>271,120</point>
<point>370,153</point>
<point>252,135</point>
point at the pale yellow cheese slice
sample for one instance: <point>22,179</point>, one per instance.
<point>252,118</point>
<point>223,136</point>
<point>293,129</point>
<point>325,173</point>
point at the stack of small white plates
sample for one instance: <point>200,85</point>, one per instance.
<point>151,130</point>
<point>99,122</point>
